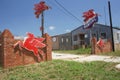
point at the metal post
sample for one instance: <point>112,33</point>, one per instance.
<point>91,42</point>
<point>42,23</point>
<point>109,6</point>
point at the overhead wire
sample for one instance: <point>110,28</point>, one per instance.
<point>57,7</point>
<point>68,11</point>
<point>52,2</point>
<point>62,10</point>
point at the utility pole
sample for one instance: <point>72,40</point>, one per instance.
<point>42,23</point>
<point>110,16</point>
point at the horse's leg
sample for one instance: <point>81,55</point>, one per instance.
<point>16,44</point>
<point>38,57</point>
<point>20,45</point>
<point>41,53</point>
<point>36,53</point>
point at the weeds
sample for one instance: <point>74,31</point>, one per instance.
<point>62,70</point>
<point>77,51</point>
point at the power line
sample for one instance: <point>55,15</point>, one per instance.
<point>57,7</point>
<point>68,11</point>
<point>50,2</point>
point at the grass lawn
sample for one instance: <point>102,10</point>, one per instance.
<point>116,53</point>
<point>77,51</point>
<point>62,70</point>
<point>86,51</point>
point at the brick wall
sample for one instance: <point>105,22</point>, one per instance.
<point>117,46</point>
<point>10,56</point>
<point>48,49</point>
<point>96,49</point>
<point>1,50</point>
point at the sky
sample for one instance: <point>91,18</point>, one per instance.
<point>18,15</point>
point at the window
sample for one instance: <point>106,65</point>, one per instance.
<point>86,36</point>
<point>67,39</point>
<point>54,39</point>
<point>118,36</point>
<point>93,35</point>
<point>62,40</point>
<point>75,38</point>
<point>103,35</point>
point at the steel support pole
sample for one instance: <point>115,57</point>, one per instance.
<point>111,27</point>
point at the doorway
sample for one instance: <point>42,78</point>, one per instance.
<point>82,39</point>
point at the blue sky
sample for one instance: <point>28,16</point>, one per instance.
<point>18,15</point>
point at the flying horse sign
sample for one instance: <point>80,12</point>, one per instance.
<point>39,8</point>
<point>90,17</point>
<point>33,44</point>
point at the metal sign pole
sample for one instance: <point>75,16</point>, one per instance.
<point>109,6</point>
<point>42,23</point>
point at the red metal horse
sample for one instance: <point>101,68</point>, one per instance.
<point>40,7</point>
<point>33,44</point>
<point>89,14</point>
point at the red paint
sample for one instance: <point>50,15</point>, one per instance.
<point>32,43</point>
<point>89,14</point>
<point>100,43</point>
<point>39,8</point>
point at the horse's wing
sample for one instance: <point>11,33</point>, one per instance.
<point>36,43</point>
<point>40,39</point>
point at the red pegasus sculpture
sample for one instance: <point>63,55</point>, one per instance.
<point>33,44</point>
<point>90,17</point>
<point>40,7</point>
<point>89,14</point>
<point>100,43</point>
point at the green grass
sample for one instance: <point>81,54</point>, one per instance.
<point>86,51</point>
<point>77,51</point>
<point>62,70</point>
<point>116,53</point>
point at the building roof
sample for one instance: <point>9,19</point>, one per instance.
<point>61,34</point>
<point>102,25</point>
<point>116,28</point>
<point>77,28</point>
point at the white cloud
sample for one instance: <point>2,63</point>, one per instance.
<point>67,30</point>
<point>51,28</point>
<point>19,37</point>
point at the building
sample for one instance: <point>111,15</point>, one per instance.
<point>62,42</point>
<point>81,37</point>
<point>116,35</point>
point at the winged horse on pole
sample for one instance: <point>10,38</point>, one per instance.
<point>90,17</point>
<point>33,44</point>
<point>40,7</point>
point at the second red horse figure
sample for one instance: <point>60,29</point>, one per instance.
<point>40,7</point>
<point>33,44</point>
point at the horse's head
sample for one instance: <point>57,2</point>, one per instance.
<point>30,35</point>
